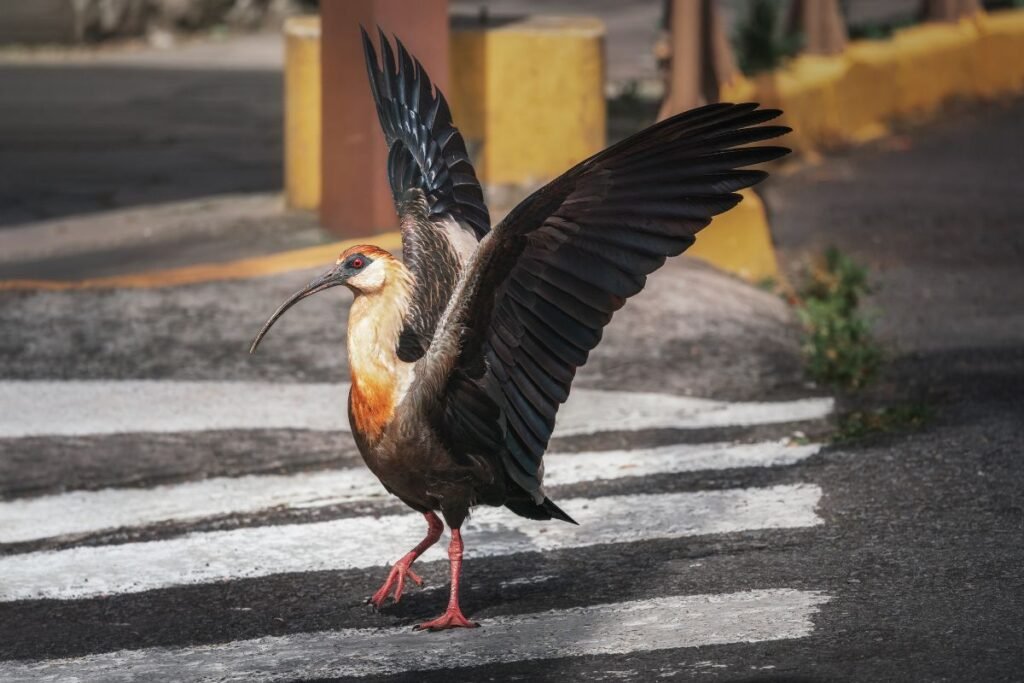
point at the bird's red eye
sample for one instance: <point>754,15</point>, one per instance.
<point>356,263</point>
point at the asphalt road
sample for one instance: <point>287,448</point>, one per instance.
<point>116,127</point>
<point>893,558</point>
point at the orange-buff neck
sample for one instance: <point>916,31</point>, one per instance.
<point>379,378</point>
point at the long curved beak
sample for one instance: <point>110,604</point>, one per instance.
<point>331,278</point>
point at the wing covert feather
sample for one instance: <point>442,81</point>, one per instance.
<point>438,198</point>
<point>543,284</point>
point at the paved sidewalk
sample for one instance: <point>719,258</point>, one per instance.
<point>90,131</point>
<point>134,240</point>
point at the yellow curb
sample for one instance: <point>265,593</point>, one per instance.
<point>852,97</point>
<point>260,266</point>
<point>739,241</point>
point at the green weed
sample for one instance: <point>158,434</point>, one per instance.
<point>902,417</point>
<point>838,346</point>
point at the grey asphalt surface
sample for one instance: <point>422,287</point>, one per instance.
<point>921,548</point>
<point>157,134</point>
<point>923,540</point>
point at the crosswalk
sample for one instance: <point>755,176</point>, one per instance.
<point>627,627</point>
<point>151,542</point>
<point>50,408</point>
<point>84,512</point>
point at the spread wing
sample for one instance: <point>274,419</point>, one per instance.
<point>542,286</point>
<point>437,195</point>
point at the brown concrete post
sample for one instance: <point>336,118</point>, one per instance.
<point>701,59</point>
<point>822,24</point>
<point>355,198</point>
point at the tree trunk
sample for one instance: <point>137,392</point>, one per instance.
<point>700,58</point>
<point>950,10</point>
<point>822,25</point>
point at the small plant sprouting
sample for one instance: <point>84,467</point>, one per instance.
<point>838,346</point>
<point>902,417</point>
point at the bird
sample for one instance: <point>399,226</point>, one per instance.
<point>461,353</point>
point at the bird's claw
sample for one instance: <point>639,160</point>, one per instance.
<point>396,579</point>
<point>452,618</point>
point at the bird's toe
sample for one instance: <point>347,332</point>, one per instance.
<point>453,618</point>
<point>394,586</point>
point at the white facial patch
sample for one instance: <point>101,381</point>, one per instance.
<point>370,279</point>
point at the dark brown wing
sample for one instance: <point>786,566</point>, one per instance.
<point>437,194</point>
<point>547,280</point>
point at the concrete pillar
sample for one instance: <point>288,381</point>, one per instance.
<point>701,59</point>
<point>355,196</point>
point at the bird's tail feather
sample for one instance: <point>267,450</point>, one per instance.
<point>531,510</point>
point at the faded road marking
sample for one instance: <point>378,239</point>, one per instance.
<point>82,512</point>
<point>78,408</point>
<point>369,541</point>
<point>618,628</point>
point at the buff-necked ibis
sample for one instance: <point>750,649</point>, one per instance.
<point>461,355</point>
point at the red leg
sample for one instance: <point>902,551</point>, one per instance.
<point>402,568</point>
<point>452,617</point>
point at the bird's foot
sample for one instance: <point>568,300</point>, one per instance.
<point>396,580</point>
<point>452,618</point>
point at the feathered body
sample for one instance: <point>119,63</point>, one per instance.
<point>396,440</point>
<point>461,356</point>
<point>379,377</point>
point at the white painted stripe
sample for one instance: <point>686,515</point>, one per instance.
<point>617,628</point>
<point>589,411</point>
<point>360,542</point>
<point>562,470</point>
<point>76,408</point>
<point>81,512</point>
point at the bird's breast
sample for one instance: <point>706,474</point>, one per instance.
<point>372,405</point>
<point>376,394</point>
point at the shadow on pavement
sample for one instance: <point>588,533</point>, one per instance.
<point>78,138</point>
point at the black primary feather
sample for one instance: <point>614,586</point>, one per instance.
<point>434,185</point>
<point>546,281</point>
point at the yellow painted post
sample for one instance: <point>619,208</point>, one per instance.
<point>302,112</point>
<point>528,95</point>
